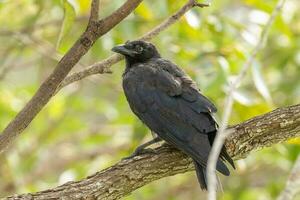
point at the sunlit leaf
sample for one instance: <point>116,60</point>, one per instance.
<point>193,19</point>
<point>144,11</point>
<point>84,6</point>
<point>69,17</point>
<point>242,98</point>
<point>294,141</point>
<point>258,17</point>
<point>224,65</point>
<point>259,82</point>
<point>56,108</point>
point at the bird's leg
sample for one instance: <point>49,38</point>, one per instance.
<point>154,135</point>
<point>142,148</point>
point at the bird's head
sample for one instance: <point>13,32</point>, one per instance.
<point>137,51</point>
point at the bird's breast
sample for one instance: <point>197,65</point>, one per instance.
<point>138,86</point>
<point>139,75</point>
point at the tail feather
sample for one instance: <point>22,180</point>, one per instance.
<point>201,175</point>
<point>224,156</point>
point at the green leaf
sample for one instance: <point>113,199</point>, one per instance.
<point>243,98</point>
<point>144,11</point>
<point>260,83</point>
<point>69,18</point>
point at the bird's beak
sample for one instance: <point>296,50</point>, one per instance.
<point>124,51</point>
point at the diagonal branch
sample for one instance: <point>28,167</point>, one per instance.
<point>126,176</point>
<point>64,66</point>
<point>104,66</point>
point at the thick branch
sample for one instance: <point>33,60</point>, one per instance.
<point>129,175</point>
<point>49,86</point>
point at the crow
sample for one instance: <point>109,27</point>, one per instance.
<point>168,101</point>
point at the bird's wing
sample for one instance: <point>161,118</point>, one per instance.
<point>195,106</point>
<point>190,92</point>
<point>178,115</point>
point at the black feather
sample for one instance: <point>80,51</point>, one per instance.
<point>201,175</point>
<point>170,104</point>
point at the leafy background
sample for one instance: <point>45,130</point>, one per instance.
<point>88,125</point>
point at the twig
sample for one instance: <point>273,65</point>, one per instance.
<point>42,47</point>
<point>37,26</point>
<point>126,176</point>
<point>64,66</point>
<point>222,133</point>
<point>56,162</point>
<point>171,20</point>
<point>202,5</point>
<point>94,11</point>
<point>97,68</point>
<point>293,183</point>
<point>104,66</point>
<point>7,65</point>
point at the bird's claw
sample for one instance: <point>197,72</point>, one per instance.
<point>138,152</point>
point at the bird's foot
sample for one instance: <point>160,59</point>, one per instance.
<point>138,152</point>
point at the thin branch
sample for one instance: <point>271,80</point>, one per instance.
<point>202,5</point>
<point>37,26</point>
<point>56,162</point>
<point>126,176</point>
<point>170,20</point>
<point>104,66</point>
<point>94,11</point>
<point>42,47</point>
<point>8,62</point>
<point>64,66</point>
<point>4,72</point>
<point>222,133</point>
<point>7,68</point>
<point>293,183</point>
<point>97,68</point>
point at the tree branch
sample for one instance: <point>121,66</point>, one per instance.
<point>94,11</point>
<point>64,66</point>
<point>104,66</point>
<point>128,175</point>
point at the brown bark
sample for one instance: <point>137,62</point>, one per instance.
<point>128,175</point>
<point>96,28</point>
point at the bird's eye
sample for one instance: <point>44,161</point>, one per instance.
<point>139,48</point>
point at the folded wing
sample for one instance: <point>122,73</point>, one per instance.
<point>169,103</point>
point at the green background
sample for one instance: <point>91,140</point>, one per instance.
<point>88,125</point>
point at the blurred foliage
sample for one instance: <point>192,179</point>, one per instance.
<point>88,125</point>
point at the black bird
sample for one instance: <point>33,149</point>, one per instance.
<point>168,101</point>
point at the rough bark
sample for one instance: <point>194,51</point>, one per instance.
<point>95,29</point>
<point>128,175</point>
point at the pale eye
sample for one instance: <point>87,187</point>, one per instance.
<point>139,48</point>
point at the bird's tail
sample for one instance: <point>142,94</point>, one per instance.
<point>201,175</point>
